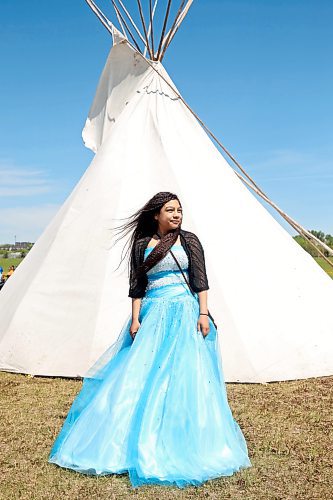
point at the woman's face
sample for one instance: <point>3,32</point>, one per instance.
<point>170,216</point>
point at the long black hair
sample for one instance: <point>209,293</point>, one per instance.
<point>143,223</point>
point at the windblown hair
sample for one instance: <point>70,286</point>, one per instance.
<point>143,224</point>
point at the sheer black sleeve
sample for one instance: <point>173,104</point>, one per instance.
<point>197,270</point>
<point>137,286</point>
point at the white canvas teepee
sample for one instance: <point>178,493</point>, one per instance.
<point>66,303</point>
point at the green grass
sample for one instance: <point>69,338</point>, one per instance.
<point>6,263</point>
<point>322,262</point>
<point>287,425</point>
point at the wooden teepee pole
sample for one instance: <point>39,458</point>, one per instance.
<point>151,54</point>
<point>165,42</point>
<point>151,24</point>
<point>104,20</point>
<point>127,27</point>
<point>163,29</point>
<point>172,33</point>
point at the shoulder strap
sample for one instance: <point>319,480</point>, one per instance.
<point>188,284</point>
<point>180,269</point>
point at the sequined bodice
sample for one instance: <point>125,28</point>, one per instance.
<point>166,271</point>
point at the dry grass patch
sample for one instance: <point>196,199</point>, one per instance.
<point>288,427</point>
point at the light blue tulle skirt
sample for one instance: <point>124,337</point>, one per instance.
<point>155,407</point>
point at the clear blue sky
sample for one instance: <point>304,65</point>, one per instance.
<point>258,72</point>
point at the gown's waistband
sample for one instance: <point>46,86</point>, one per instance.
<point>167,284</point>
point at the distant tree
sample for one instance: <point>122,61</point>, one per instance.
<point>325,238</point>
<point>329,240</point>
<point>22,255</point>
<point>5,255</point>
<point>318,234</point>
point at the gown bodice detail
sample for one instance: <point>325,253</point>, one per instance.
<point>166,271</point>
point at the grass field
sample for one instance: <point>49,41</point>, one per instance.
<point>325,265</point>
<point>6,263</point>
<point>288,428</point>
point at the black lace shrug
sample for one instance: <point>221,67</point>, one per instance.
<point>197,268</point>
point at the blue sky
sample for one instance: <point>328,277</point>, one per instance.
<point>258,72</point>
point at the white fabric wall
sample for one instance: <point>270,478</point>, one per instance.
<point>66,304</point>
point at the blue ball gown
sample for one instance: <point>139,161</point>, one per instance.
<point>156,407</point>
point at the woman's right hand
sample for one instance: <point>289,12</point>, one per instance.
<point>135,325</point>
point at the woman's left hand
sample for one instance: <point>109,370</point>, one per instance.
<point>203,325</point>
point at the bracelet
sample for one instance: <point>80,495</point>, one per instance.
<point>204,314</point>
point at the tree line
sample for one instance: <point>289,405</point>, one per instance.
<point>325,238</point>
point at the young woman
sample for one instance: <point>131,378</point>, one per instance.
<point>155,404</point>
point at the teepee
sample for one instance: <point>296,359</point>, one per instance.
<point>68,300</point>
